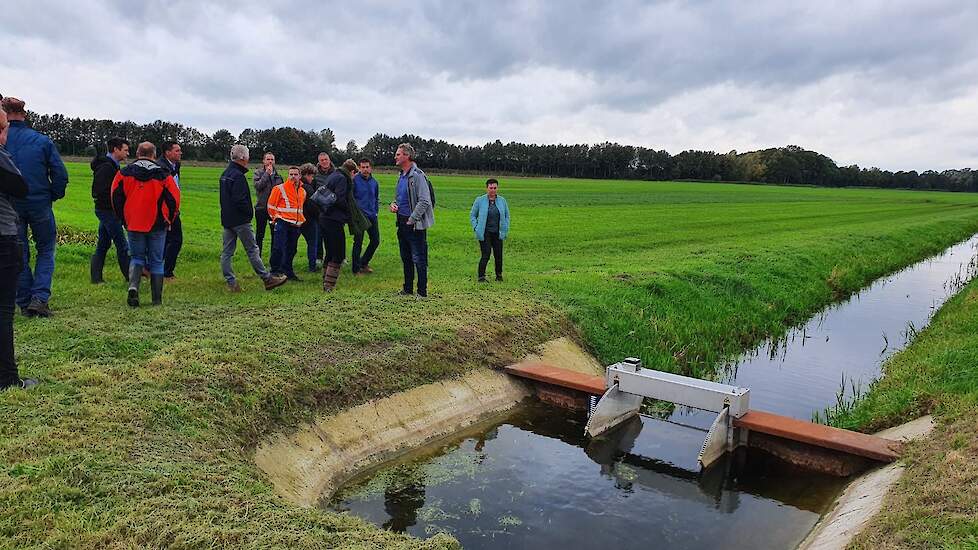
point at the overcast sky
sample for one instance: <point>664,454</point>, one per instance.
<point>879,83</point>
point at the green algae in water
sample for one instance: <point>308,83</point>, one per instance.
<point>475,507</point>
<point>510,521</point>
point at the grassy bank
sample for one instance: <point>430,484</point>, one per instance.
<point>935,505</point>
<point>142,432</point>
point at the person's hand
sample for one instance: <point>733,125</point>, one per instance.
<point>410,222</point>
<point>394,207</point>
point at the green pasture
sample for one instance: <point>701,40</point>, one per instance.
<point>143,429</point>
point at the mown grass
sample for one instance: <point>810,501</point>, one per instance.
<point>142,432</point>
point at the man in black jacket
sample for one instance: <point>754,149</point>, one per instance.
<point>104,169</point>
<point>236,214</point>
<point>170,159</point>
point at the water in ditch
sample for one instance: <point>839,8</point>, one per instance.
<point>530,479</point>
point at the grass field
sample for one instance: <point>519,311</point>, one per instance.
<point>143,429</point>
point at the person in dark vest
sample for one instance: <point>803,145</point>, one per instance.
<point>265,179</point>
<point>12,187</point>
<point>172,153</point>
<point>310,229</point>
<point>490,222</point>
<point>147,200</point>
<point>110,231</point>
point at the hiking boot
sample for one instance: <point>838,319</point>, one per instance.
<point>499,278</point>
<point>366,269</point>
<point>234,287</point>
<point>21,383</point>
<point>275,281</point>
<point>405,293</point>
<point>482,279</point>
<point>38,308</point>
<point>156,287</point>
<point>95,268</point>
<point>26,312</point>
<point>135,278</point>
<point>331,273</point>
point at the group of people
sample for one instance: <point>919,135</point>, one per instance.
<point>138,212</point>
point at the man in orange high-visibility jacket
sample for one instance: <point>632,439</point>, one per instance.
<point>285,211</point>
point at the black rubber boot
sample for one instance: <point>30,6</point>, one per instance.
<point>95,269</point>
<point>156,285</point>
<point>135,277</point>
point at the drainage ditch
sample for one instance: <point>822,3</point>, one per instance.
<point>529,477</point>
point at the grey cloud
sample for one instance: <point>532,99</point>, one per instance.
<point>509,69</point>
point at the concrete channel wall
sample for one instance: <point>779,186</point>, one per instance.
<point>863,498</point>
<point>319,457</point>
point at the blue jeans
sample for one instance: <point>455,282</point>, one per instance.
<point>285,239</point>
<point>146,250</point>
<point>414,255</point>
<point>110,231</point>
<point>36,284</point>
<point>310,232</point>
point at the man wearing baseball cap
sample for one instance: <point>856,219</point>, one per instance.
<point>38,160</point>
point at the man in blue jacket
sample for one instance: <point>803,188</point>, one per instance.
<point>38,160</point>
<point>490,221</point>
<point>366,191</point>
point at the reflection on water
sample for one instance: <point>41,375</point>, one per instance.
<point>844,347</point>
<point>531,480</point>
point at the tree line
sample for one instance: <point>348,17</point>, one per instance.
<point>780,165</point>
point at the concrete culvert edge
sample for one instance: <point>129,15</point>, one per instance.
<point>315,460</point>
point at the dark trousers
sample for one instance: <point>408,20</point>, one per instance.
<point>310,232</point>
<point>361,260</point>
<point>261,223</point>
<point>285,240</point>
<point>335,240</point>
<point>414,255</point>
<point>110,231</point>
<point>491,244</point>
<point>11,264</point>
<point>174,242</point>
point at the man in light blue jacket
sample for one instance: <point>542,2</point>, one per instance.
<point>490,221</point>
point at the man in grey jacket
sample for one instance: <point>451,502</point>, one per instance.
<point>265,179</point>
<point>414,207</point>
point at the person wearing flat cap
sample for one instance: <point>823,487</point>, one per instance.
<point>38,160</point>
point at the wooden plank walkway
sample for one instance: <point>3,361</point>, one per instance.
<point>859,444</point>
<point>550,374</point>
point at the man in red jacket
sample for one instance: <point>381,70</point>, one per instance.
<point>147,200</point>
